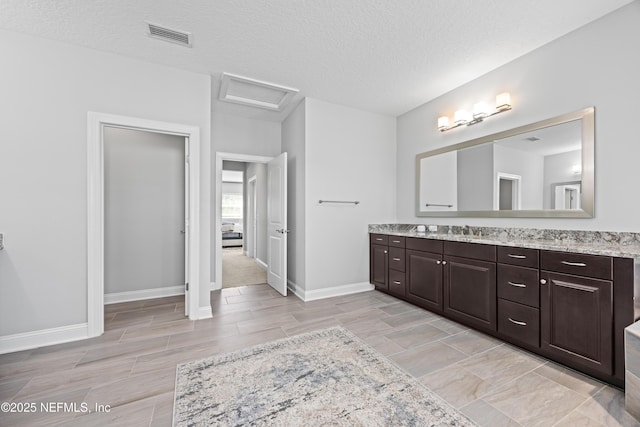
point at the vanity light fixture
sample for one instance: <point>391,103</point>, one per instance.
<point>480,112</point>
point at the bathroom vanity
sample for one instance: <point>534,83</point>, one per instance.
<point>569,302</point>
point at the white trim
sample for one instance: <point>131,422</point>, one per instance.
<point>212,286</point>
<point>334,291</point>
<point>44,337</point>
<point>142,294</point>
<point>205,312</point>
<point>216,242</point>
<point>95,218</point>
<point>262,264</point>
<point>299,292</point>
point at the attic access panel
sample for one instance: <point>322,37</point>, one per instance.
<point>254,93</point>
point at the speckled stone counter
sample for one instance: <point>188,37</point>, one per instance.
<point>624,245</point>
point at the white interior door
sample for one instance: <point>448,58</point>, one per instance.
<point>277,220</point>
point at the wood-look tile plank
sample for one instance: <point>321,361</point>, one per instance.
<point>132,366</point>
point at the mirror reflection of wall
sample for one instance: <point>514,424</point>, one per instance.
<point>533,169</point>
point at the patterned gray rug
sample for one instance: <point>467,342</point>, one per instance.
<point>322,378</point>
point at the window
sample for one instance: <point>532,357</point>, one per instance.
<point>232,206</point>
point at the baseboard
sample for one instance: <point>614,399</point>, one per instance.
<point>262,264</point>
<point>44,337</point>
<point>204,313</point>
<point>295,289</point>
<point>334,291</point>
<point>143,294</point>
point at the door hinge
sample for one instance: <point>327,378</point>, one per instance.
<point>186,286</point>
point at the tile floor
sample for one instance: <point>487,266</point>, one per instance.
<point>132,366</point>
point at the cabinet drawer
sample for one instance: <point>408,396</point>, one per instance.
<point>379,239</point>
<point>424,245</point>
<point>523,257</point>
<point>600,267</point>
<point>397,241</point>
<point>470,250</point>
<point>396,282</point>
<point>519,284</point>
<point>519,322</point>
<point>396,259</point>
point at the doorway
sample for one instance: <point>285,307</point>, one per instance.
<point>509,192</point>
<point>144,217</point>
<point>243,264</point>
<point>276,218</point>
<point>96,122</point>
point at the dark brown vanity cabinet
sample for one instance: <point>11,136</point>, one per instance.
<point>577,309</point>
<point>387,263</point>
<point>519,295</point>
<point>424,273</point>
<point>569,307</point>
<point>397,265</point>
<point>379,261</point>
<point>470,283</point>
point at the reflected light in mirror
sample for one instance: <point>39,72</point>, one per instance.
<point>503,101</point>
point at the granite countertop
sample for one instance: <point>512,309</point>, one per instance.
<point>624,245</point>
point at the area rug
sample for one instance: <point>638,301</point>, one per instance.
<point>321,378</point>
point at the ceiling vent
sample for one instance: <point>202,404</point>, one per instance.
<point>254,93</point>
<point>169,35</point>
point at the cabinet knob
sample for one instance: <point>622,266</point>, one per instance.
<point>438,262</point>
<point>543,281</point>
<point>444,262</point>
<point>386,252</point>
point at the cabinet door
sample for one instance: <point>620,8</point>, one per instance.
<point>576,320</point>
<point>379,266</point>
<point>470,291</point>
<point>424,279</point>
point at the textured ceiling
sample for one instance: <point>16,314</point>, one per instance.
<point>385,56</point>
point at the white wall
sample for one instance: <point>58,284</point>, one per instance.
<point>349,156</point>
<point>293,143</point>
<point>595,65</point>
<point>475,178</point>
<point>46,90</point>
<point>439,182</point>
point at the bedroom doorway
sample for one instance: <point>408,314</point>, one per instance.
<point>271,243</point>
<point>243,263</point>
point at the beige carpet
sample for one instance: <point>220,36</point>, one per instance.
<point>239,270</point>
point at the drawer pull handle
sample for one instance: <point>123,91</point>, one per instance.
<point>517,322</point>
<point>395,241</point>
<point>396,259</point>
<point>517,256</point>
<point>517,285</point>
<point>379,239</point>
<point>574,264</point>
<point>396,282</point>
